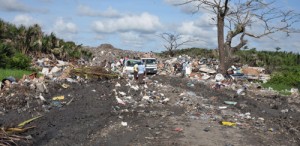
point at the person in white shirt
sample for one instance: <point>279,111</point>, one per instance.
<point>141,72</point>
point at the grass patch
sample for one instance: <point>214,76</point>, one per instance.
<point>18,74</point>
<point>281,88</point>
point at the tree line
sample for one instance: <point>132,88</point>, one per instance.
<point>18,44</point>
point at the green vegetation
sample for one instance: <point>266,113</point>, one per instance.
<point>18,43</point>
<point>284,67</point>
<point>193,52</point>
<point>18,74</point>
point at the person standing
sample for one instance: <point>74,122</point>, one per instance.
<point>183,69</point>
<point>135,71</point>
<point>188,69</point>
<point>141,72</point>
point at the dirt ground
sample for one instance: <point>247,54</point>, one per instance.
<point>166,111</point>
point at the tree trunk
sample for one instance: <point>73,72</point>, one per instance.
<point>222,53</point>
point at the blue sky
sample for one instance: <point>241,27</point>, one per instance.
<point>130,24</point>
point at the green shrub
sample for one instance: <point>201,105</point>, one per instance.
<point>285,78</point>
<point>6,52</point>
<point>19,61</point>
<point>75,54</point>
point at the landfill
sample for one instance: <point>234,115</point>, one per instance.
<point>91,102</point>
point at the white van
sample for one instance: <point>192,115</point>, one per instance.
<point>128,65</point>
<point>150,64</point>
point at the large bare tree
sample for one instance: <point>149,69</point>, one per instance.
<point>239,16</point>
<point>173,41</point>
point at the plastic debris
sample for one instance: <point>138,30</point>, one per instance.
<point>146,97</point>
<point>166,100</point>
<point>241,91</point>
<point>178,129</point>
<point>56,103</point>
<point>122,93</point>
<point>225,123</point>
<point>58,98</point>
<point>65,86</point>
<point>219,77</point>
<point>190,84</point>
<point>145,86</point>
<point>222,107</point>
<point>120,101</point>
<point>118,84</point>
<point>41,97</point>
<point>124,123</point>
<point>230,102</point>
<point>135,87</point>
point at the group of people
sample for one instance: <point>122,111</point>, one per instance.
<point>185,68</point>
<point>139,71</point>
<point>113,65</point>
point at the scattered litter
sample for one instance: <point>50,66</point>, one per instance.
<point>120,101</point>
<point>118,84</point>
<point>222,107</point>
<point>122,93</point>
<point>241,91</point>
<point>225,123</point>
<point>58,98</point>
<point>135,87</point>
<point>124,123</point>
<point>166,100</point>
<point>219,77</point>
<point>65,86</point>
<point>230,102</point>
<point>56,103</point>
<point>190,84</point>
<point>146,97</point>
<point>41,97</point>
<point>284,110</point>
<point>178,129</point>
<point>145,86</point>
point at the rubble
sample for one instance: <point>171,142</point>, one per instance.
<point>113,98</point>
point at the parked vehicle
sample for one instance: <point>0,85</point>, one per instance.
<point>150,64</point>
<point>128,65</point>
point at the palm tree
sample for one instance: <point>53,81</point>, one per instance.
<point>34,38</point>
<point>20,40</point>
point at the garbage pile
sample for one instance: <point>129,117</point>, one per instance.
<point>106,54</point>
<point>31,92</point>
<point>205,70</point>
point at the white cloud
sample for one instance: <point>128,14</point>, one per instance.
<point>278,40</point>
<point>202,30</point>
<point>25,20</point>
<point>142,23</point>
<point>17,6</point>
<point>88,11</point>
<point>13,5</point>
<point>189,8</point>
<point>132,39</point>
<point>64,29</point>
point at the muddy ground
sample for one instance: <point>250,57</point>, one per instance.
<point>167,111</point>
